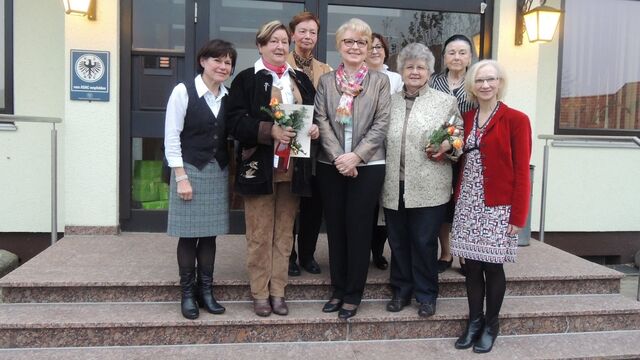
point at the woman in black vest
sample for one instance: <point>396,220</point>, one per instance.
<point>271,196</point>
<point>195,147</point>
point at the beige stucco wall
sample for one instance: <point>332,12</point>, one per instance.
<point>39,84</point>
<point>589,189</point>
<point>92,128</point>
<point>88,138</point>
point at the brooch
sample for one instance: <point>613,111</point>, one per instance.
<point>251,171</point>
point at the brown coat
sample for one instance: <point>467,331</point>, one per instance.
<point>319,68</point>
<point>370,121</point>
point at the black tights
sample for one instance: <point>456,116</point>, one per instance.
<point>485,278</point>
<point>190,249</point>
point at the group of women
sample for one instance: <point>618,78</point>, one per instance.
<point>372,144</point>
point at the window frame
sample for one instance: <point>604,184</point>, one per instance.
<point>578,131</point>
<point>8,58</point>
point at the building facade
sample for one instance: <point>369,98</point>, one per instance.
<point>584,82</point>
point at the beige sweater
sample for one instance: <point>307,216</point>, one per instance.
<point>426,182</point>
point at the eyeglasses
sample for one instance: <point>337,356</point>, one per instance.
<point>377,48</point>
<point>490,81</point>
<point>358,43</point>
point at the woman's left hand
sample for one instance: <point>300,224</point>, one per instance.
<point>513,230</point>
<point>346,163</point>
<point>438,156</point>
<point>314,132</point>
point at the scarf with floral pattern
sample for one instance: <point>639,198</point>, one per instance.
<point>350,88</point>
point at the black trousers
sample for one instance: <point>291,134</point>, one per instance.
<point>308,225</point>
<point>379,235</point>
<point>413,238</point>
<point>348,205</point>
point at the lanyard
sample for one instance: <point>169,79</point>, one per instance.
<point>480,129</point>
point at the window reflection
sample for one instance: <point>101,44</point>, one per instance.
<point>159,24</point>
<point>238,21</point>
<point>401,27</point>
<point>600,86</point>
<point>2,57</point>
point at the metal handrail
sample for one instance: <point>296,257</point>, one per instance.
<point>580,140</point>
<point>10,119</point>
<point>611,141</point>
<point>593,140</point>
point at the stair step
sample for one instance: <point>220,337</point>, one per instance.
<point>142,267</point>
<point>594,345</point>
<point>127,324</point>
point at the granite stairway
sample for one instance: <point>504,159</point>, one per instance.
<point>117,297</point>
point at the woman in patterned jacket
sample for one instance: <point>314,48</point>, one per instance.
<point>417,184</point>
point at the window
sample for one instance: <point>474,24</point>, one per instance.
<point>158,25</point>
<point>6,57</point>
<point>401,27</point>
<point>600,76</point>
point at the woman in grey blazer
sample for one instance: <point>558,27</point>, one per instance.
<point>417,185</point>
<point>352,113</point>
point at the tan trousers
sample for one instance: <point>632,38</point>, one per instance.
<point>269,220</point>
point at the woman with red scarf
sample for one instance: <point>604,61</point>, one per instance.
<point>271,195</point>
<point>352,112</point>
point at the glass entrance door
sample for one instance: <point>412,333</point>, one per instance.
<point>160,40</point>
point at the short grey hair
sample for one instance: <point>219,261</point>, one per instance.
<point>416,51</point>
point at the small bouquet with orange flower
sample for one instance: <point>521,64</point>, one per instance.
<point>298,117</point>
<point>447,132</point>
<point>294,119</point>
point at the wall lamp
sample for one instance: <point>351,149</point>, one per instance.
<point>540,23</point>
<point>81,7</point>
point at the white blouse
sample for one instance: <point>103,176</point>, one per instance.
<point>176,111</point>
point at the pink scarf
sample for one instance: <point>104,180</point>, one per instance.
<point>350,89</point>
<point>279,70</point>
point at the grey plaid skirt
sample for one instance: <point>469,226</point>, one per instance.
<point>207,214</point>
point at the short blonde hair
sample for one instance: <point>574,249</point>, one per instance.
<point>267,30</point>
<point>470,78</point>
<point>356,25</point>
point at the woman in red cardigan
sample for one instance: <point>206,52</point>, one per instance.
<point>492,199</point>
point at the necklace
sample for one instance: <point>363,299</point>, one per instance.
<point>454,84</point>
<point>477,120</point>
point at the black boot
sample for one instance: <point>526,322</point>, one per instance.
<point>488,336</point>
<point>471,334</point>
<point>188,303</point>
<point>205,291</point>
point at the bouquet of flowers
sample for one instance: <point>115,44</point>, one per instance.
<point>447,131</point>
<point>295,120</point>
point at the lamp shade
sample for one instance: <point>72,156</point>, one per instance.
<point>78,7</point>
<point>541,23</point>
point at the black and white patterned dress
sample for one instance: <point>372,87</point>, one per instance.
<point>479,232</point>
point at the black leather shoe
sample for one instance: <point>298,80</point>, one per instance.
<point>426,309</point>
<point>444,265</point>
<point>396,304</point>
<point>471,333</point>
<point>344,314</point>
<point>487,338</point>
<point>380,262</point>
<point>463,270</point>
<point>294,270</point>
<point>332,306</point>
<point>312,267</point>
